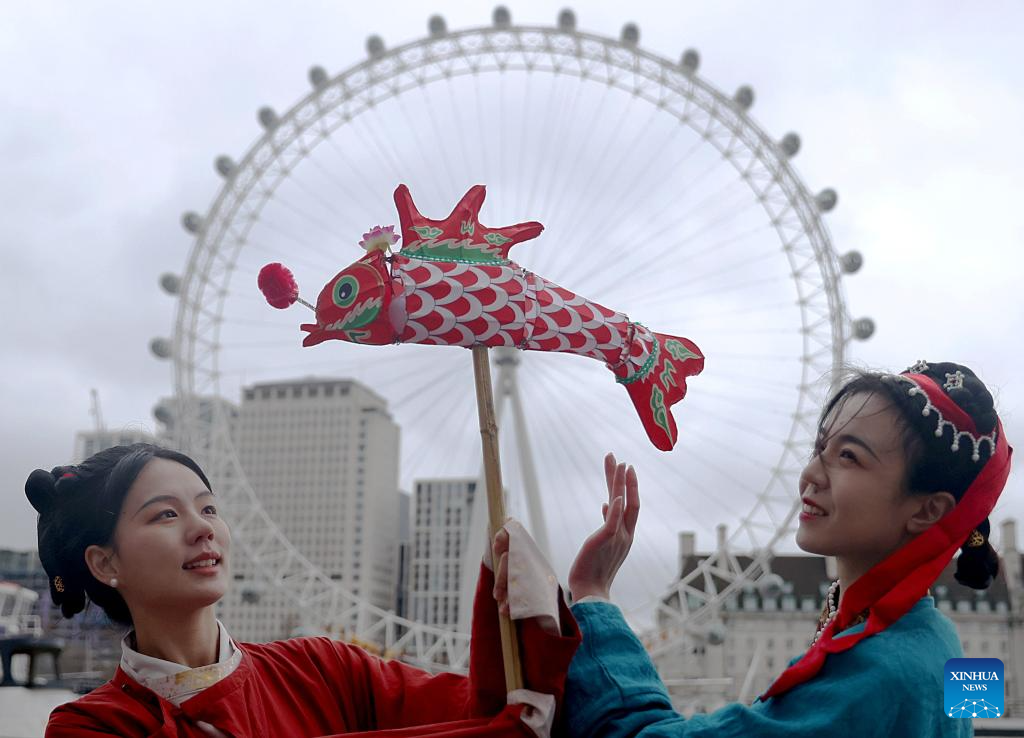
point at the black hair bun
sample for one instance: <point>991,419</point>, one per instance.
<point>973,397</point>
<point>41,488</point>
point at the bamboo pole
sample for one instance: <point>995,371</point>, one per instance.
<point>495,502</point>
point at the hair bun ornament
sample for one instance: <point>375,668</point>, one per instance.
<point>40,488</point>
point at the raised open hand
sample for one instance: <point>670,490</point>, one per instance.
<point>604,551</point>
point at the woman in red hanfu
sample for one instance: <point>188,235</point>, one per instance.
<point>135,530</point>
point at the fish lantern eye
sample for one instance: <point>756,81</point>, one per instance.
<point>345,291</point>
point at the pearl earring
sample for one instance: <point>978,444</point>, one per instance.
<point>113,582</point>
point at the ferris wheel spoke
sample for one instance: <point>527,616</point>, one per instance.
<point>441,139</point>
<point>304,214</point>
<point>434,385</point>
<point>550,137</point>
<point>672,200</point>
<point>740,202</point>
<point>293,258</point>
<point>578,215</point>
<point>253,322</point>
<point>555,148</point>
<point>584,146</point>
<point>481,125</point>
<point>626,206</point>
<point>421,147</point>
<point>332,208</point>
<point>716,247</point>
<point>349,362</point>
<point>370,142</point>
<point>437,424</point>
<point>742,427</point>
<point>302,242</point>
<point>759,407</point>
<point>731,381</point>
<point>462,134</point>
<point>521,151</point>
<point>673,247</point>
<point>610,424</point>
<point>555,454</point>
<point>562,441</point>
<point>355,195</point>
<point>727,269</point>
<point>736,287</point>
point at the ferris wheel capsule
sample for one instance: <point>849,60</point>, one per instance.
<point>224,165</point>
<point>826,200</point>
<point>171,283</point>
<point>567,20</point>
<point>790,145</point>
<point>161,348</point>
<point>267,118</point>
<point>163,414</point>
<point>716,634</point>
<point>437,27</point>
<point>317,77</point>
<point>630,35</point>
<point>501,17</point>
<point>192,222</point>
<point>851,262</point>
<point>863,328</point>
<point>771,585</point>
<point>375,47</point>
<point>744,98</point>
<point>690,61</point>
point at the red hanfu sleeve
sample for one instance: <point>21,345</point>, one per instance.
<point>404,696</point>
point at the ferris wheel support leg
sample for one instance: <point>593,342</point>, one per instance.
<point>538,525</point>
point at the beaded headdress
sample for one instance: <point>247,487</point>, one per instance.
<point>957,420</point>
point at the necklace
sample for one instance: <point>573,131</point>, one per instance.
<point>828,611</point>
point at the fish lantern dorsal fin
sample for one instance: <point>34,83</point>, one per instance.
<point>460,236</point>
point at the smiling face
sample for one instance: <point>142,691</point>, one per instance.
<point>354,305</point>
<point>170,547</point>
<point>855,504</point>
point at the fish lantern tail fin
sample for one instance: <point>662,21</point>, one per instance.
<point>661,382</point>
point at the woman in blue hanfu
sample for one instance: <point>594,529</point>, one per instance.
<point>904,473</point>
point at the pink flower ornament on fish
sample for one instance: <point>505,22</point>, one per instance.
<point>453,284</point>
<point>379,238</point>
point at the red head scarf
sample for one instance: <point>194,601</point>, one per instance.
<point>893,586</point>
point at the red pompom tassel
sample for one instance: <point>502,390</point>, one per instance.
<point>278,285</point>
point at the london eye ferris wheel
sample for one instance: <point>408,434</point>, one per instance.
<point>661,196</point>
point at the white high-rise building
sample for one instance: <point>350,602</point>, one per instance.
<point>322,456</point>
<point>440,527</point>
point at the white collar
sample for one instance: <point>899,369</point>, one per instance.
<point>155,673</point>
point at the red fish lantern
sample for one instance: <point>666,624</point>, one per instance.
<point>453,284</point>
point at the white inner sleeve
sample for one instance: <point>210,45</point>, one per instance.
<point>539,710</point>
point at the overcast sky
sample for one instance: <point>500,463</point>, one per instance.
<point>111,115</point>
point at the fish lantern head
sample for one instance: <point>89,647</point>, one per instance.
<point>354,305</point>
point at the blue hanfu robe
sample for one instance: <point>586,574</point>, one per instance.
<point>890,684</point>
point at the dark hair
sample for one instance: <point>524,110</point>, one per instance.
<point>79,507</point>
<point>932,465</point>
